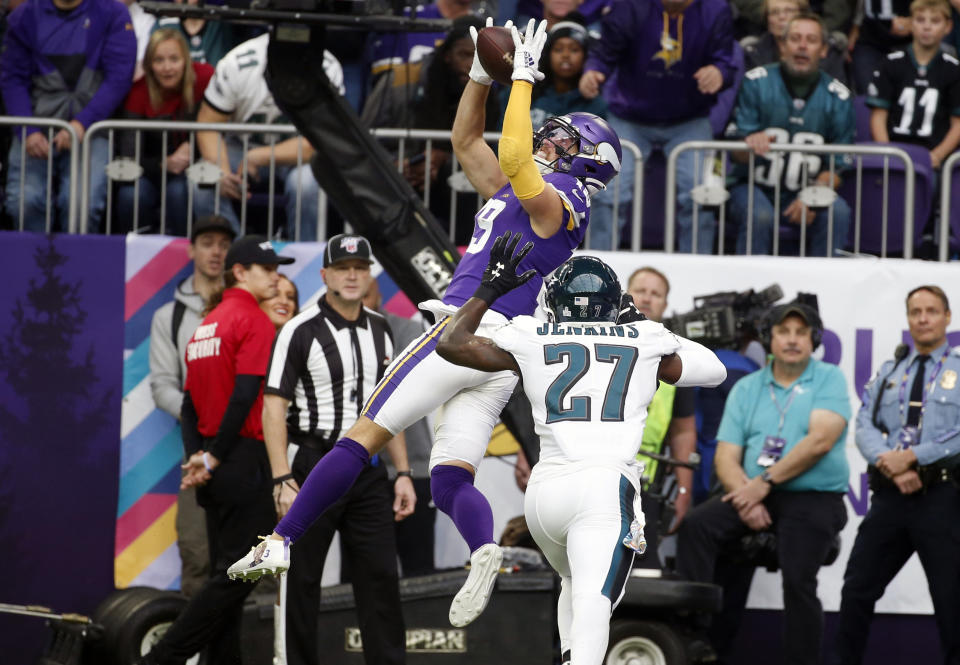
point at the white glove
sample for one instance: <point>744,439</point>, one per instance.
<point>526,55</point>
<point>477,72</point>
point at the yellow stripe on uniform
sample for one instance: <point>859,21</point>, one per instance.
<point>143,551</point>
<point>385,380</point>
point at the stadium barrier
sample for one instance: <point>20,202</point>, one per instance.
<point>715,188</point>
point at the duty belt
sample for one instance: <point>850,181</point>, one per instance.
<point>930,475</point>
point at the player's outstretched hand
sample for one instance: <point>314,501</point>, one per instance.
<point>628,310</point>
<point>526,56</point>
<point>501,275</point>
<point>477,72</point>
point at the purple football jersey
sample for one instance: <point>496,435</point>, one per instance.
<point>503,212</point>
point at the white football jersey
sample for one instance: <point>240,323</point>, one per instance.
<point>238,87</point>
<point>589,384</point>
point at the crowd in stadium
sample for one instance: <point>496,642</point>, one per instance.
<point>662,72</point>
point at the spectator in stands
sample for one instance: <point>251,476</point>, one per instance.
<point>793,101</point>
<point>764,49</point>
<point>172,327</point>
<point>883,27</point>
<point>670,420</point>
<point>171,89</point>
<point>430,102</point>
<point>238,93</point>
<point>562,62</point>
<point>143,24</point>
<point>752,17</point>
<point>415,534</point>
<point>283,306</point>
<point>66,59</point>
<point>915,97</point>
<point>782,461</point>
<point>209,40</point>
<point>553,11</point>
<point>666,60</point>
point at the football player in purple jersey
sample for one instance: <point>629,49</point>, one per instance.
<point>539,187</point>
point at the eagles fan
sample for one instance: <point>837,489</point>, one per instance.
<point>589,380</point>
<point>915,96</point>
<point>792,101</point>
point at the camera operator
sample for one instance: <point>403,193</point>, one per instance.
<point>669,419</point>
<point>907,430</point>
<point>782,462</point>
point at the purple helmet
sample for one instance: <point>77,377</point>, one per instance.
<point>587,148</point>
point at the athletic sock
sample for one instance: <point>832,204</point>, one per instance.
<point>329,480</point>
<point>454,494</point>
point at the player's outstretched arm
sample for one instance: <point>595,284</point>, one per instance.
<point>542,203</point>
<point>692,364</point>
<point>458,344</point>
<point>477,159</point>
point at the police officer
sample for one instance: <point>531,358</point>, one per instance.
<point>325,364</point>
<point>223,439</point>
<point>907,429</point>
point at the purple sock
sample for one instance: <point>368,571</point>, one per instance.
<point>329,480</point>
<point>453,493</point>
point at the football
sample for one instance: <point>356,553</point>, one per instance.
<point>495,50</point>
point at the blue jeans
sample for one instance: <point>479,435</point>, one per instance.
<point>205,199</point>
<point>665,138</point>
<point>148,216</point>
<point>763,221</point>
<point>34,179</point>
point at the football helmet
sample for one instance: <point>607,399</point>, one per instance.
<point>587,148</point>
<point>583,288</point>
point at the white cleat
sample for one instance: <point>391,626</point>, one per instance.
<point>270,557</point>
<point>474,595</point>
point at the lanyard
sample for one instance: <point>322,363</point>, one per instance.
<point>786,407</point>
<point>927,389</point>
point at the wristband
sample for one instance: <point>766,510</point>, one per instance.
<point>401,474</point>
<point>279,480</point>
<point>206,463</point>
<point>486,293</point>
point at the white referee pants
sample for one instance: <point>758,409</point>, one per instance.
<point>579,519</point>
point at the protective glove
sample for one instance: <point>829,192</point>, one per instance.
<point>477,72</point>
<point>501,275</point>
<point>526,55</point>
<point>628,311</point>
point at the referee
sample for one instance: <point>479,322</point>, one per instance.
<point>325,363</point>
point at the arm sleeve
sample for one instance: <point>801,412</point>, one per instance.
<point>118,58</point>
<point>721,53</point>
<point>869,438</point>
<point>166,381</point>
<point>684,404</point>
<point>245,391</point>
<point>192,441</point>
<point>832,393</point>
<point>287,362</point>
<point>701,367</point>
<point>618,33</point>
<point>516,144</point>
<point>17,57</point>
<point>880,91</point>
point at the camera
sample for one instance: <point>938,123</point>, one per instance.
<point>725,320</point>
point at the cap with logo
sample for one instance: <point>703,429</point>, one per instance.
<point>347,246</point>
<point>255,249</point>
<point>210,223</point>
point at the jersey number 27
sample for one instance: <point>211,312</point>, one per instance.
<point>577,359</point>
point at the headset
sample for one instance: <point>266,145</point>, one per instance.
<point>777,314</point>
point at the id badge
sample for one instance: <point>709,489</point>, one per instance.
<point>772,450</point>
<point>909,436</point>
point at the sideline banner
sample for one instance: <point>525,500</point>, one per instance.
<point>862,304</point>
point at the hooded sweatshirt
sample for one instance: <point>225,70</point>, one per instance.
<point>168,366</point>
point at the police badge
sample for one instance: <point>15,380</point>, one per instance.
<point>949,379</point>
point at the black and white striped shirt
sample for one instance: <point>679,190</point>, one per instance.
<point>327,367</point>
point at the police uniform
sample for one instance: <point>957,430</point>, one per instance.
<point>226,361</point>
<point>897,525</point>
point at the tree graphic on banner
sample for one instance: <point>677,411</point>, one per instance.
<point>56,384</point>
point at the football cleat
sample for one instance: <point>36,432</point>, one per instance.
<point>270,557</point>
<point>474,595</point>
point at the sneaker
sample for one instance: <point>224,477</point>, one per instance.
<point>270,557</point>
<point>474,595</point>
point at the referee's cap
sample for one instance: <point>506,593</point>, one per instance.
<point>347,246</point>
<point>255,249</point>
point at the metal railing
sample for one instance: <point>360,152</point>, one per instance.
<point>243,130</point>
<point>854,150</point>
<point>50,124</point>
<point>946,175</point>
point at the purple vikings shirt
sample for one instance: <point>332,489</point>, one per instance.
<point>503,212</point>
